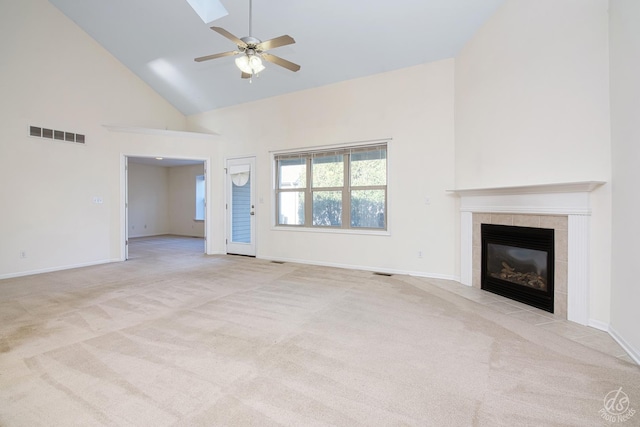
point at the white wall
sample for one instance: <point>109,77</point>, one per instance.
<point>412,106</point>
<point>182,201</point>
<point>532,107</point>
<point>625,131</point>
<point>532,100</point>
<point>148,200</point>
<point>55,75</point>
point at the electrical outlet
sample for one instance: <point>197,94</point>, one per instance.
<point>23,254</point>
<point>420,254</point>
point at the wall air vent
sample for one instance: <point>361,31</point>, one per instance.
<point>60,135</point>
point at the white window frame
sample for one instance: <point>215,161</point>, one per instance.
<point>308,190</point>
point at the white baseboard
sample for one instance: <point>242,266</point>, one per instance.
<point>633,352</point>
<point>59,268</point>
<point>136,236</point>
<point>598,325</point>
<point>363,268</point>
<point>432,276</point>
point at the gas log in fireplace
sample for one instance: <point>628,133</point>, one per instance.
<point>517,263</point>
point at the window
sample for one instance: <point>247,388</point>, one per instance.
<point>200,196</point>
<point>344,188</point>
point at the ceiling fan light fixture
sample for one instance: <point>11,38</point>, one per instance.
<point>249,64</point>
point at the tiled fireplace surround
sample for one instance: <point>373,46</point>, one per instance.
<point>555,222</point>
<point>563,207</point>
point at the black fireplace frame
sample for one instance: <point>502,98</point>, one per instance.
<point>541,239</point>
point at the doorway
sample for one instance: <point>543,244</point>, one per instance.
<point>162,198</point>
<point>241,211</point>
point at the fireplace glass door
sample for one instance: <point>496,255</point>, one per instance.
<point>520,266</point>
<point>517,262</point>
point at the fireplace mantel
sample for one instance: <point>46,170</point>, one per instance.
<point>570,199</point>
<point>567,187</point>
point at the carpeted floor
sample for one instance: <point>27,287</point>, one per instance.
<point>187,339</point>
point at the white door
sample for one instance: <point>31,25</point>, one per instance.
<point>206,203</point>
<point>126,208</point>
<point>241,219</point>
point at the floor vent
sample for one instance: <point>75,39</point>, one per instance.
<point>277,262</point>
<point>40,132</point>
<point>382,274</point>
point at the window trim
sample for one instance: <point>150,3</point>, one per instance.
<point>201,204</point>
<point>308,153</point>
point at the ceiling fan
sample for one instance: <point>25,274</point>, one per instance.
<point>252,51</point>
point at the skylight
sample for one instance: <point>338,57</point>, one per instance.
<point>208,10</point>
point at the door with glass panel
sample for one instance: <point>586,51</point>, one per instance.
<point>241,219</point>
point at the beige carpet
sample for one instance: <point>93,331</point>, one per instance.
<point>186,339</point>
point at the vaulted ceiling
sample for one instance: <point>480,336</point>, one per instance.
<point>335,40</point>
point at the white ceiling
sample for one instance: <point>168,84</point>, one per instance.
<point>335,40</point>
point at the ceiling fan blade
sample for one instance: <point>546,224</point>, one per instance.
<point>281,62</point>
<point>230,36</point>
<point>245,76</point>
<point>216,55</point>
<point>277,42</point>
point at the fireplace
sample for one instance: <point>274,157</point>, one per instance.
<point>518,263</point>
<point>564,207</point>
